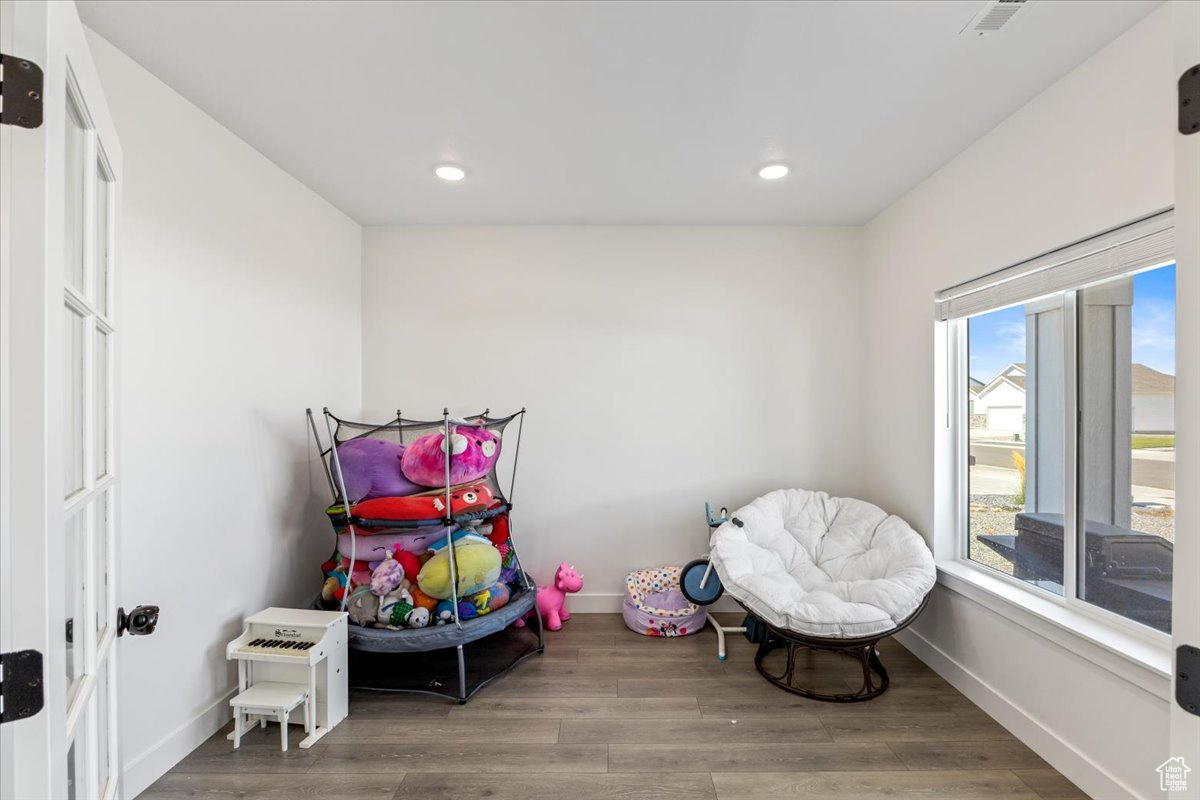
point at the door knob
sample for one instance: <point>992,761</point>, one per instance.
<point>139,622</point>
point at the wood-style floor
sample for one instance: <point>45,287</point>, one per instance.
<point>606,713</point>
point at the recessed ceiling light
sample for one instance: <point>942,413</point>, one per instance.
<point>450,172</point>
<point>773,172</point>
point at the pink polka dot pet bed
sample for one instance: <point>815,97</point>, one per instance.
<point>654,605</point>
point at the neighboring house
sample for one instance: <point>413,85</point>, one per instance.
<point>1003,400</point>
<point>973,387</point>
<point>1153,400</point>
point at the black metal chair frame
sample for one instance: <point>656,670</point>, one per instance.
<point>861,649</point>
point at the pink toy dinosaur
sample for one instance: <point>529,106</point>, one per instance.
<point>551,600</point>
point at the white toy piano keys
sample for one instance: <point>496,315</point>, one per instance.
<point>298,646</point>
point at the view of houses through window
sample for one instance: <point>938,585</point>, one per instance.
<point>1124,373</point>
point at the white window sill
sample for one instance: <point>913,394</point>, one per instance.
<point>1144,660</point>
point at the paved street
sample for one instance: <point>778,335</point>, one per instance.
<point>987,480</point>
<point>1151,468</point>
<point>1154,468</point>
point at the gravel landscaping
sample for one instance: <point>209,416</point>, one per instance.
<point>990,515</point>
<point>1160,522</point>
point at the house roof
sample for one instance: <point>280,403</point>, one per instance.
<point>1013,373</point>
<point>1151,381</point>
<point>1144,379</point>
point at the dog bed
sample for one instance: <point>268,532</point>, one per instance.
<point>654,605</point>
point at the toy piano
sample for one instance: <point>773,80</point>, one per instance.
<point>300,647</point>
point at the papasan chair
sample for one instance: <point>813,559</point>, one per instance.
<point>824,573</point>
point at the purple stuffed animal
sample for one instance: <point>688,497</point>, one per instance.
<point>473,453</point>
<point>371,468</point>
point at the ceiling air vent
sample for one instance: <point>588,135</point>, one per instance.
<point>994,15</point>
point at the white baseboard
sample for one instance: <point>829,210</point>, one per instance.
<point>1085,773</point>
<point>151,764</point>
<point>610,603</point>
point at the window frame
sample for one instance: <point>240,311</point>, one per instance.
<point>1139,642</point>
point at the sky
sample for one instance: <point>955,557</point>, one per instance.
<point>997,338</point>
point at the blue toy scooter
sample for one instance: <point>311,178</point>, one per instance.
<point>701,585</point>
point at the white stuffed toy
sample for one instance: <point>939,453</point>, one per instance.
<point>417,618</point>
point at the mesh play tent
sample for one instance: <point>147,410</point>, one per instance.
<point>427,492</point>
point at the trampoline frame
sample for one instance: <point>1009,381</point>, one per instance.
<point>333,475</point>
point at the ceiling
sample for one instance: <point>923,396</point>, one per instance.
<point>607,112</point>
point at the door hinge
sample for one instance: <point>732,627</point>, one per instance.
<point>1187,678</point>
<point>1189,101</point>
<point>22,687</point>
<point>21,90</point>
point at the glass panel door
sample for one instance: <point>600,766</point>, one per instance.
<point>59,512</point>
<point>90,489</point>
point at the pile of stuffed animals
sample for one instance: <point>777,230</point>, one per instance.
<point>401,575</point>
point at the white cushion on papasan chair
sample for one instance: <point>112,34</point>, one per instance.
<point>823,566</point>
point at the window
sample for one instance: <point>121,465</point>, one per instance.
<point>1126,460</point>
<point>1015,435</point>
<point>1064,386</point>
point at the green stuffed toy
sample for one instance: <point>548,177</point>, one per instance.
<point>394,607</point>
<point>397,610</point>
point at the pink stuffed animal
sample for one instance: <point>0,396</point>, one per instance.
<point>551,600</point>
<point>473,453</point>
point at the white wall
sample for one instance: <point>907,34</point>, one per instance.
<point>1093,151</point>
<point>239,300</point>
<point>661,367</point>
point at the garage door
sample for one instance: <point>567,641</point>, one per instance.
<point>1006,419</point>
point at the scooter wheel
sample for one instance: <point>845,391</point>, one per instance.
<point>689,583</point>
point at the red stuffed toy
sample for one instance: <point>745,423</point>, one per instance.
<point>475,497</point>
<point>499,534</point>
<point>409,563</point>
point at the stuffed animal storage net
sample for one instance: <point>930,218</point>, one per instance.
<point>424,562</point>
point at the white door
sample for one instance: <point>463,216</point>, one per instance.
<point>61,193</point>
<point>1185,622</point>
